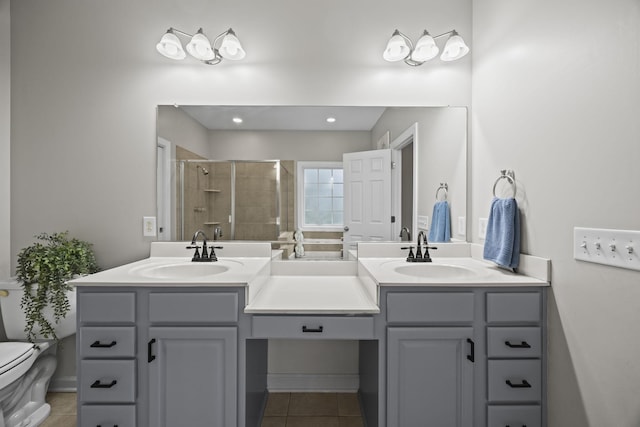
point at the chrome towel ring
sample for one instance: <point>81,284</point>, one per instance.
<point>443,186</point>
<point>510,176</point>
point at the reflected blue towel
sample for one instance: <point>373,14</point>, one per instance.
<point>502,243</point>
<point>440,230</point>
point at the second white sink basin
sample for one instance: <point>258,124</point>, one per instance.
<point>436,271</point>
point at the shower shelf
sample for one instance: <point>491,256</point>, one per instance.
<point>211,223</point>
<point>211,190</point>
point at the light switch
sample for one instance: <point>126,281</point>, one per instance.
<point>149,226</point>
<point>462,226</point>
<point>617,248</point>
<point>482,227</point>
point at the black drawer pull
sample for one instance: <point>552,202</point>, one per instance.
<point>523,344</point>
<point>318,330</point>
<point>523,384</point>
<point>98,344</point>
<point>116,425</point>
<point>523,425</point>
<point>472,350</point>
<point>150,356</point>
<point>98,384</point>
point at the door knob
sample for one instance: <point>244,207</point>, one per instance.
<point>346,228</point>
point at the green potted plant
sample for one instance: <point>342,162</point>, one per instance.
<point>44,268</point>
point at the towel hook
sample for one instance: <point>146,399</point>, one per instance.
<point>510,176</point>
<point>443,186</point>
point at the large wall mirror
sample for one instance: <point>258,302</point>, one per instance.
<point>263,172</point>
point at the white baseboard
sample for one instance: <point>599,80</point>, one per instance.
<point>313,383</point>
<point>64,384</point>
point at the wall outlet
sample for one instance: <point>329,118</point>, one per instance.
<point>482,228</point>
<point>462,226</point>
<point>149,226</point>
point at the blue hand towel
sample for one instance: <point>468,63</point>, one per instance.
<point>440,230</point>
<point>502,242</point>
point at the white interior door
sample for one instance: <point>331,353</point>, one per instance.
<point>367,197</point>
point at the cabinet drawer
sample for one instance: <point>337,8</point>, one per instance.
<point>197,307</point>
<point>514,307</point>
<point>108,381</point>
<point>319,327</point>
<point>514,416</point>
<point>430,307</point>
<point>108,415</point>
<point>107,341</point>
<point>107,307</point>
<point>514,380</point>
<point>514,342</point>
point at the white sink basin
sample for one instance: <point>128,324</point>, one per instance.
<point>435,271</point>
<point>185,270</point>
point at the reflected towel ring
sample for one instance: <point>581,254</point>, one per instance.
<point>510,176</point>
<point>443,186</point>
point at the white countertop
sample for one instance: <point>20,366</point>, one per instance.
<point>476,273</point>
<point>240,272</point>
<point>313,295</point>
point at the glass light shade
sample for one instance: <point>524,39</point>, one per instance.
<point>455,48</point>
<point>170,46</point>
<point>425,49</point>
<point>397,49</point>
<point>231,47</point>
<point>200,48</point>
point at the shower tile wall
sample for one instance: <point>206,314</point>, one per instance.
<point>220,203</point>
<point>256,211</point>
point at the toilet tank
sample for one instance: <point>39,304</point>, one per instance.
<point>14,319</point>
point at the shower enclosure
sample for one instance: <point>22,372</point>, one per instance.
<point>234,199</point>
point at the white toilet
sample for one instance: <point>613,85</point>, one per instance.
<point>26,368</point>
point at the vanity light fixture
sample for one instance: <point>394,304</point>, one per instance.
<point>400,48</point>
<point>224,46</point>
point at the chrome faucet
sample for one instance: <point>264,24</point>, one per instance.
<point>405,229</point>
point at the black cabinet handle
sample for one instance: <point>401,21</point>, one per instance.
<point>98,344</point>
<point>472,350</point>
<point>150,356</point>
<point>523,384</point>
<point>523,425</point>
<point>98,384</point>
<point>116,425</point>
<point>523,344</point>
<point>318,330</point>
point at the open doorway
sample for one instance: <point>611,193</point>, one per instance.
<point>404,155</point>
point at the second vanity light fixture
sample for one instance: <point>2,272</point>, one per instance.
<point>400,48</point>
<point>226,46</point>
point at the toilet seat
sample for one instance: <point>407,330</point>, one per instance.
<point>15,359</point>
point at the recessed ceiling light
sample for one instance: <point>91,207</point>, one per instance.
<point>237,120</point>
<point>331,119</point>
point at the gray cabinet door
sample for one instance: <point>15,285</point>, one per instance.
<point>430,377</point>
<point>192,376</point>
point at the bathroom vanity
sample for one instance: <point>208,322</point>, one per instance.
<point>457,342</point>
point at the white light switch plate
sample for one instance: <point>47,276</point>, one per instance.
<point>149,226</point>
<point>482,227</point>
<point>423,222</point>
<point>618,248</point>
<point>462,226</point>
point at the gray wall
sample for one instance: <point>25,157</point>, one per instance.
<point>286,145</point>
<point>86,80</point>
<point>179,128</point>
<point>5,138</point>
<point>556,97</point>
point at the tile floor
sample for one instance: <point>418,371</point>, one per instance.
<point>63,410</point>
<point>312,410</point>
<point>283,410</point>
